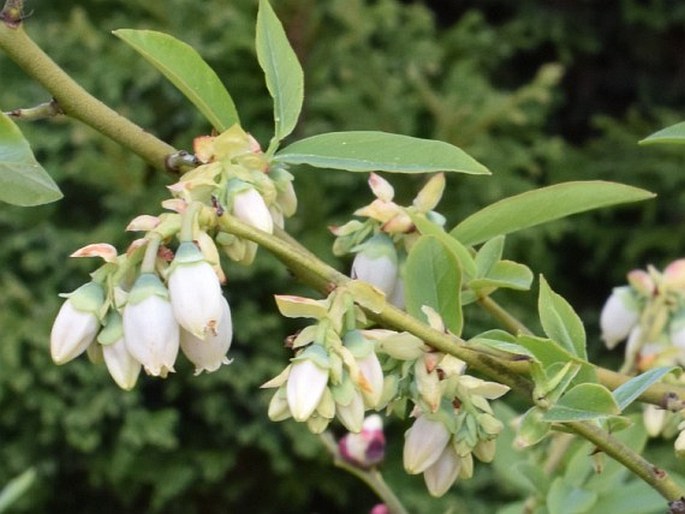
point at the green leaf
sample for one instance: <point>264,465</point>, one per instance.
<point>542,205</point>
<point>546,351</point>
<point>16,488</point>
<point>432,277</point>
<point>22,180</point>
<point>489,254</point>
<point>379,151</point>
<point>185,69</point>
<point>508,274</point>
<point>564,498</point>
<point>500,343</point>
<point>629,391</point>
<point>583,402</point>
<point>675,134</point>
<point>428,228</point>
<point>560,322</point>
<point>282,70</point>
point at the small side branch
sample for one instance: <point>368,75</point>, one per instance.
<point>39,112</point>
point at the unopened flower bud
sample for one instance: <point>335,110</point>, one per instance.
<point>249,206</point>
<point>440,476</point>
<point>376,263</point>
<point>209,354</point>
<point>485,450</point>
<point>151,331</point>
<point>642,282</point>
<point>352,414</point>
<point>195,292</point>
<point>680,444</point>
<point>307,381</point>
<point>653,418</point>
<point>674,274</point>
<point>424,443</point>
<point>76,324</point>
<point>278,406</point>
<point>121,365</point>
<point>380,508</point>
<point>619,315</point>
<point>367,448</point>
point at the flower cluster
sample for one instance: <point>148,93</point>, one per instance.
<point>335,372</point>
<point>650,313</point>
<point>163,295</point>
<point>382,241</point>
<point>453,422</point>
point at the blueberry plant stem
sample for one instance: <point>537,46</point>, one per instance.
<point>76,102</point>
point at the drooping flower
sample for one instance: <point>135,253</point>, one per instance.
<point>376,263</point>
<point>307,381</point>
<point>209,354</point>
<point>440,476</point>
<point>77,323</point>
<point>122,366</point>
<point>195,292</point>
<point>618,317</point>
<point>249,206</point>
<point>151,331</point>
<point>424,443</point>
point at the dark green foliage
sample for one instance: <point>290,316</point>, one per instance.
<point>514,84</point>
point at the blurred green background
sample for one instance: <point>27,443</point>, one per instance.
<point>541,92</point>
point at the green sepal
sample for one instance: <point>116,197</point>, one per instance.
<point>87,298</point>
<point>113,330</point>
<point>344,392</point>
<point>357,344</point>
<point>188,253</point>
<point>146,285</point>
<point>315,353</point>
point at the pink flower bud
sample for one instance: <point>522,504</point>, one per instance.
<point>619,315</point>
<point>642,282</point>
<point>307,381</point>
<point>424,443</point>
<point>674,274</point>
<point>209,354</point>
<point>151,331</point>
<point>440,476</point>
<point>76,324</point>
<point>195,292</point>
<point>249,206</point>
<point>367,448</point>
<point>380,508</point>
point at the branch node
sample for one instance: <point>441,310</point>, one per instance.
<point>176,161</point>
<point>12,13</point>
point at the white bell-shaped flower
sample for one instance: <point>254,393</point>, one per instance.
<point>77,323</point>
<point>440,476</point>
<point>209,354</point>
<point>618,317</point>
<point>376,263</point>
<point>151,331</point>
<point>307,381</point>
<point>424,443</point>
<point>195,292</point>
<point>122,366</point>
<point>249,206</point>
